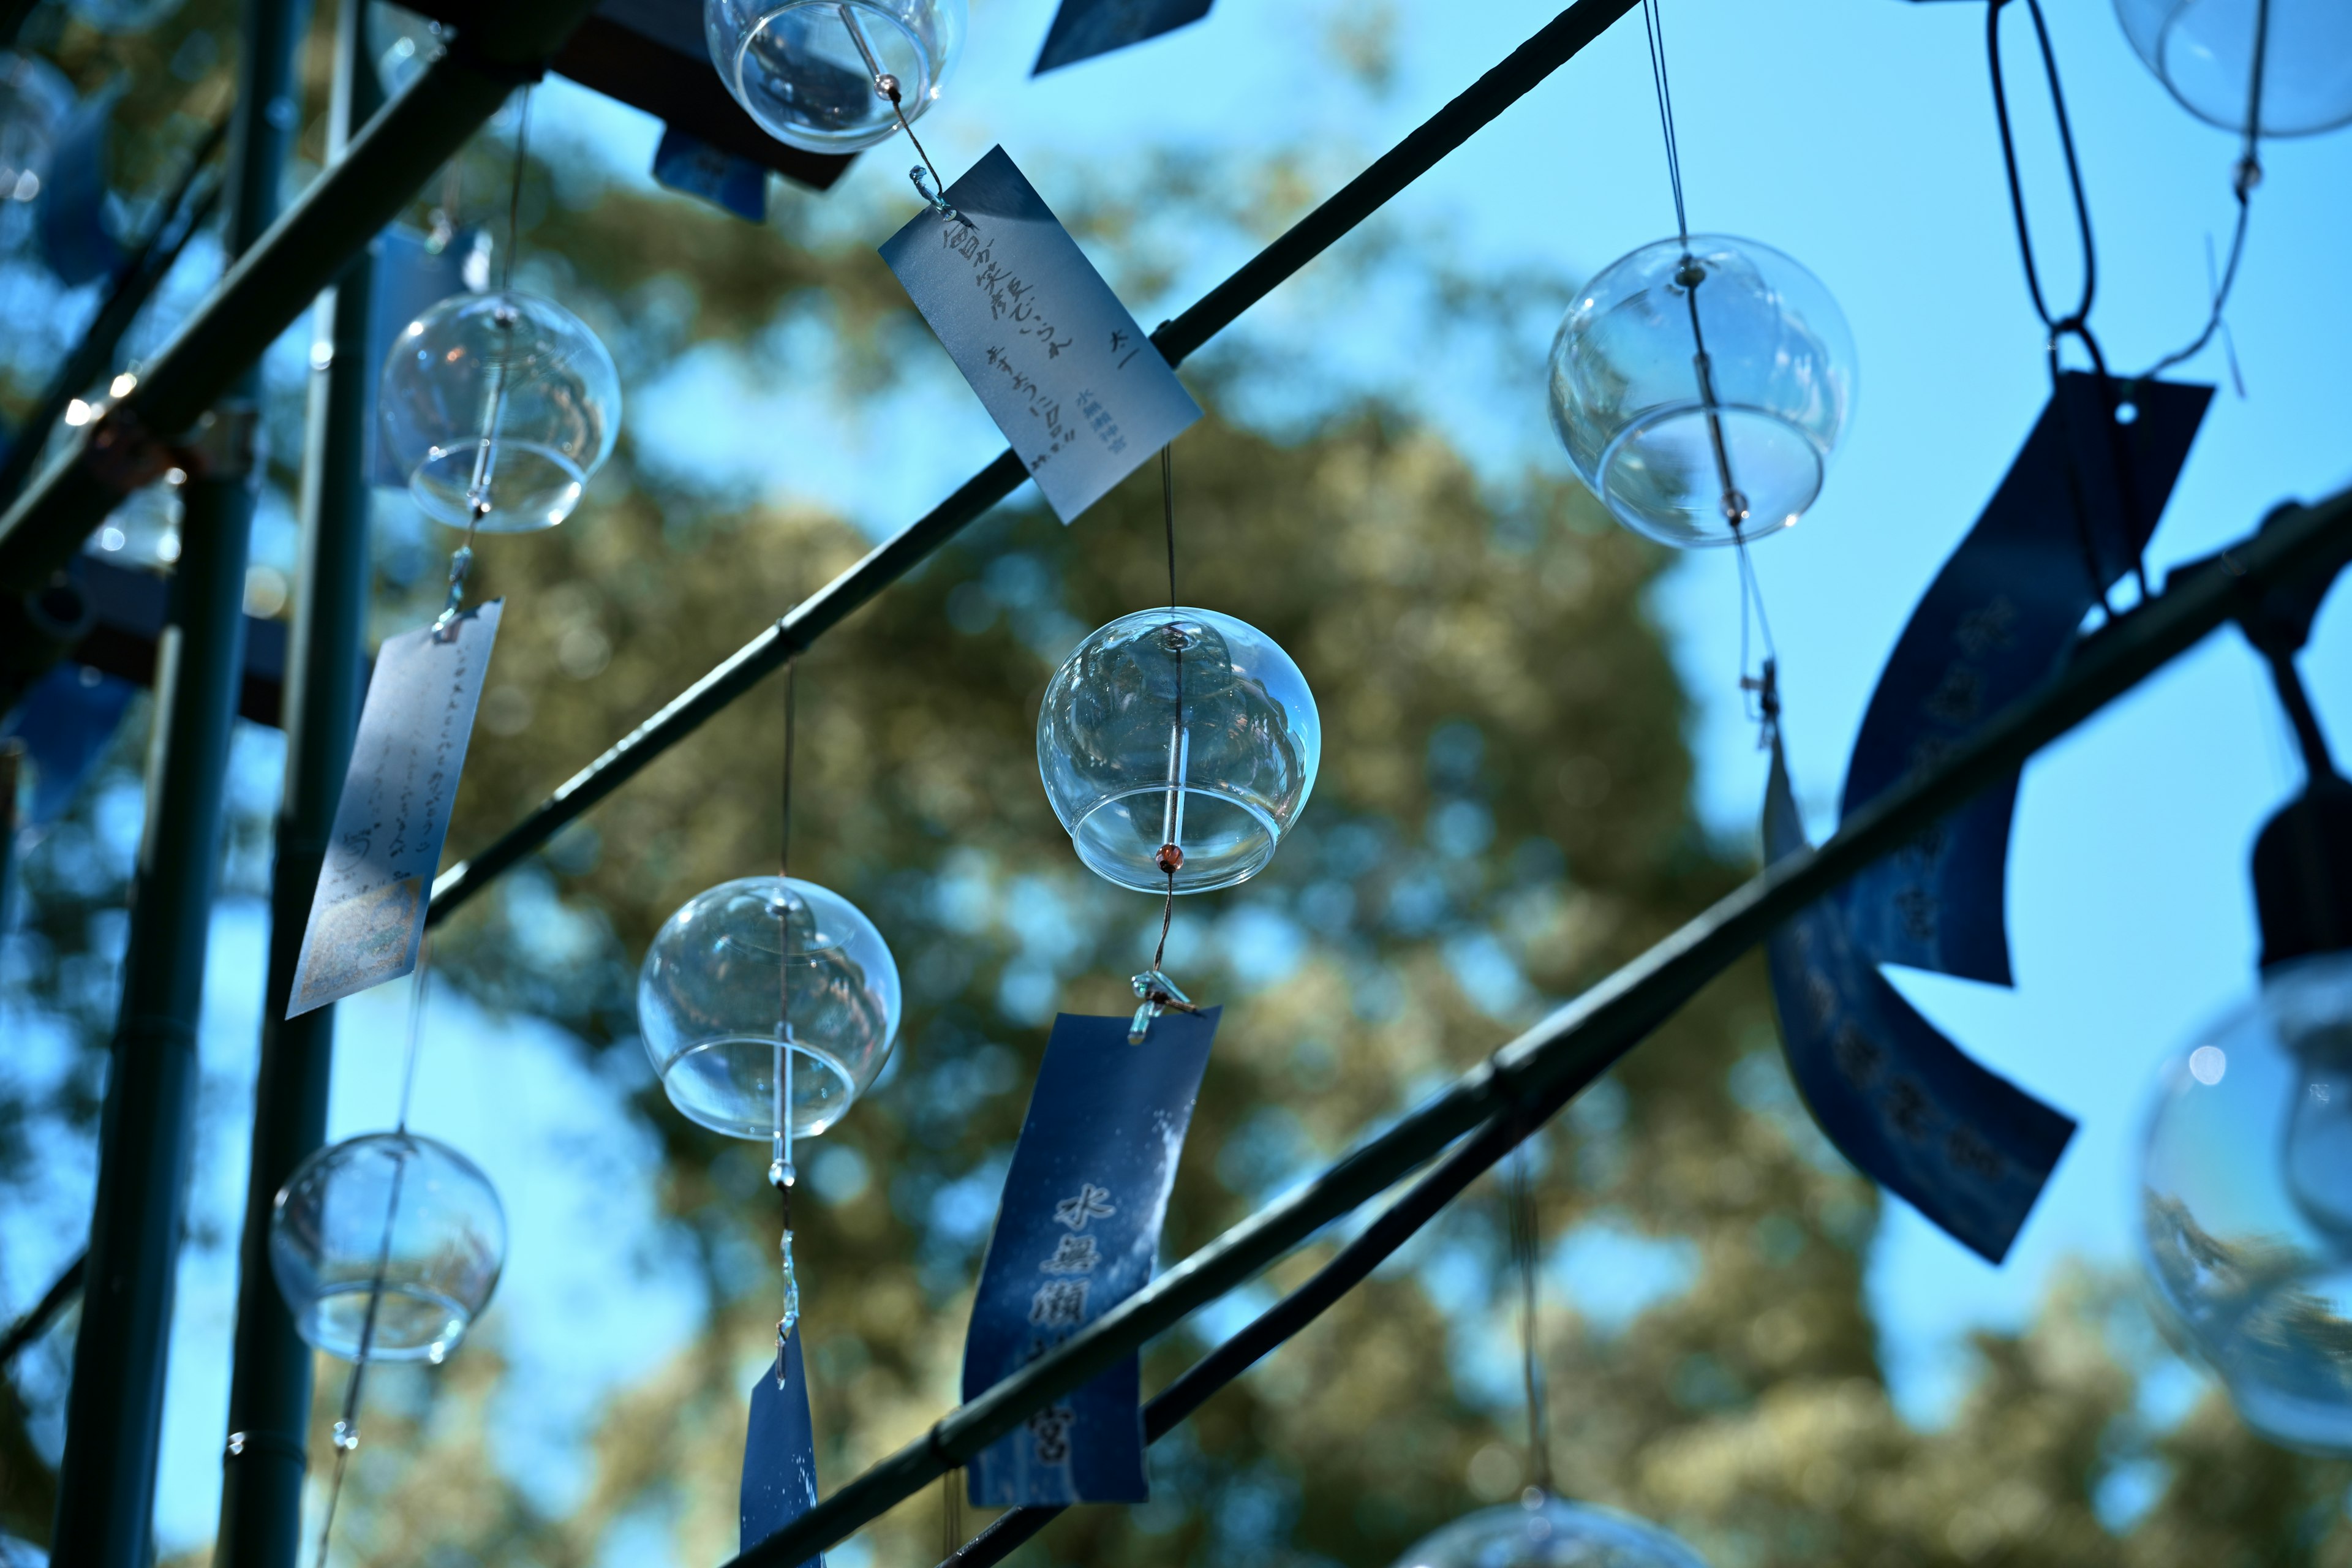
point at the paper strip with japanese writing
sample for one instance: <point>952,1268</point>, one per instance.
<point>1078,1233</point>
<point>1968,1149</point>
<point>1059,364</point>
<point>779,1453</point>
<point>367,917</point>
<point>1995,621</point>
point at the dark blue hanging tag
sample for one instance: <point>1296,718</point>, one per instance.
<point>687,164</point>
<point>1085,29</point>
<point>67,720</point>
<point>1996,621</point>
<point>779,1453</point>
<point>411,278</point>
<point>1968,1149</point>
<point>1078,1233</point>
<point>74,239</point>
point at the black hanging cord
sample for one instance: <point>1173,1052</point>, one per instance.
<point>1526,1247</point>
<point>2241,186</point>
<point>2076,322</point>
<point>1654,29</point>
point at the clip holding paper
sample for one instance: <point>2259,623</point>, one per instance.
<point>1157,994</point>
<point>938,199</point>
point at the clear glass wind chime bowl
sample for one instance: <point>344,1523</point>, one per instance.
<point>717,988</point>
<point>1224,785</point>
<point>2203,52</point>
<point>1550,1532</point>
<point>808,70</point>
<point>1627,400</point>
<point>524,370</point>
<point>2246,1202</point>
<point>400,1210</point>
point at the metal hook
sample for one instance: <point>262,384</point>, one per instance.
<point>1157,994</point>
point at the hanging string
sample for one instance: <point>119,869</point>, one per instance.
<point>1758,695</point>
<point>347,1424</point>
<point>1527,1245</point>
<point>2249,175</point>
<point>2075,323</point>
<point>886,84</point>
<point>1654,29</point>
<point>478,490</point>
<point>780,1174</point>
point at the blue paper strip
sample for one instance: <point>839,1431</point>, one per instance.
<point>687,163</point>
<point>779,1454</point>
<point>411,278</point>
<point>1085,29</point>
<point>1079,1233</point>
<point>1995,621</point>
<point>71,221</point>
<point>1968,1149</point>
<point>67,720</point>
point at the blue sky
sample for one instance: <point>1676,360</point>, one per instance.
<point>1854,134</point>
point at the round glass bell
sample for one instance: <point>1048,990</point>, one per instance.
<point>1183,728</point>
<point>1700,388</point>
<point>2246,1202</point>
<point>394,1207</point>
<point>503,402</point>
<point>2204,51</point>
<point>1546,1532</point>
<point>818,74</point>
<point>34,99</point>
<point>725,975</point>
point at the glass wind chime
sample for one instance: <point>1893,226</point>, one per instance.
<point>1176,746</point>
<point>1701,382</point>
<point>834,75</point>
<point>498,407</point>
<point>768,1006</point>
<point>1542,1529</point>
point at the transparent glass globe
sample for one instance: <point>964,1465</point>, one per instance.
<point>712,1004</point>
<point>1627,399</point>
<point>522,368</point>
<point>1127,778</point>
<point>1544,1531</point>
<point>328,1242</point>
<point>2246,1202</point>
<point>2204,51</point>
<point>815,74</point>
<point>34,99</point>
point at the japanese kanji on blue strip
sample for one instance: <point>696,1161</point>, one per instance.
<point>1079,1233</point>
<point>1996,620</point>
<point>1968,1149</point>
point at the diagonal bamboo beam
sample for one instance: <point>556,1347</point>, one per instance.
<point>1525,1080</point>
<point>1559,41</point>
<point>274,282</point>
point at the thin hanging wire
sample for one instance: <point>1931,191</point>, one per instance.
<point>1527,1245</point>
<point>2249,175</point>
<point>1654,29</point>
<point>478,490</point>
<point>886,84</point>
<point>347,1424</point>
<point>2076,322</point>
<point>1755,691</point>
<point>1171,853</point>
<point>780,1173</point>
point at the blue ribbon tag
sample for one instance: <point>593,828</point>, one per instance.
<point>67,720</point>
<point>687,164</point>
<point>71,219</point>
<point>1077,389</point>
<point>1968,1149</point>
<point>1995,621</point>
<point>367,916</point>
<point>1085,29</point>
<point>1079,1233</point>
<point>411,278</point>
<point>779,1453</point>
